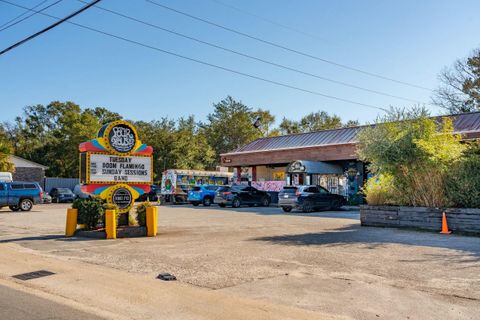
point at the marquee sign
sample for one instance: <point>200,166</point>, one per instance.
<point>106,168</point>
<point>116,166</point>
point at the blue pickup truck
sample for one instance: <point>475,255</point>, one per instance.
<point>20,195</point>
<point>202,194</point>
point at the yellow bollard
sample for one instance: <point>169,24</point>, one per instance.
<point>71,224</point>
<point>111,224</point>
<point>152,221</point>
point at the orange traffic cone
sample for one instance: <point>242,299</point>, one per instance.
<point>445,225</point>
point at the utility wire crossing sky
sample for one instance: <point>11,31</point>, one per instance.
<point>194,33</point>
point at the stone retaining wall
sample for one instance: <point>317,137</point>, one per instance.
<point>459,220</point>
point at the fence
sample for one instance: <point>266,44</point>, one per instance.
<point>69,183</point>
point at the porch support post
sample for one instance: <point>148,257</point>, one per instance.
<point>239,174</point>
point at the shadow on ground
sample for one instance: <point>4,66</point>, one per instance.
<point>377,237</point>
<point>273,210</point>
<point>47,237</point>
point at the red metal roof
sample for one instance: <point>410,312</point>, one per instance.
<point>463,123</point>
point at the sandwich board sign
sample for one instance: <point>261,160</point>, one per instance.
<point>116,166</point>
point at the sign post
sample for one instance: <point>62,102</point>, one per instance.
<point>116,166</point>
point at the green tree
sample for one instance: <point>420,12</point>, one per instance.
<point>178,144</point>
<point>351,123</point>
<point>460,85</point>
<point>320,120</point>
<point>191,149</point>
<point>5,152</point>
<point>288,126</point>
<point>463,183</point>
<point>230,125</point>
<point>104,115</point>
<point>50,135</point>
<point>314,121</point>
<point>266,120</point>
<point>416,151</point>
<point>159,134</point>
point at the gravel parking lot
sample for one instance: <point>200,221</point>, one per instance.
<point>322,261</point>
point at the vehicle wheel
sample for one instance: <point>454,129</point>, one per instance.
<point>287,209</point>
<point>195,204</point>
<point>14,208</point>
<point>307,206</point>
<point>207,201</point>
<point>265,202</point>
<point>222,205</point>
<point>26,205</point>
<point>236,203</point>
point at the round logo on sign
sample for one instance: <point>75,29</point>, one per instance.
<point>122,198</point>
<point>122,138</point>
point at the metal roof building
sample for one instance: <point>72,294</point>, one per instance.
<point>467,124</point>
<point>273,159</point>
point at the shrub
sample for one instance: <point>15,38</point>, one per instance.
<point>132,221</point>
<point>416,151</point>
<point>463,180</point>
<point>141,211</point>
<point>380,190</point>
<point>90,211</point>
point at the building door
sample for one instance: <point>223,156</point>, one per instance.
<point>298,179</point>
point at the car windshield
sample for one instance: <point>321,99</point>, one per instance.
<point>223,189</point>
<point>64,190</point>
<point>196,189</point>
<point>289,189</point>
<point>323,190</point>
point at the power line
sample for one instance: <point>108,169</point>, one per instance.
<point>60,21</point>
<point>207,63</point>
<point>23,13</point>
<point>275,23</point>
<point>250,56</point>
<point>287,48</point>
<point>27,17</point>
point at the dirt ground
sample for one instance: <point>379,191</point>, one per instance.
<point>323,262</point>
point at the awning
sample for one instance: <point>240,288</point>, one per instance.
<point>314,167</point>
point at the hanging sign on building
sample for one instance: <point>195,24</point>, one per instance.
<point>116,166</point>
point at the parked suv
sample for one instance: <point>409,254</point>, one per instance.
<point>240,195</point>
<point>62,195</point>
<point>309,198</point>
<point>202,194</point>
<point>20,195</point>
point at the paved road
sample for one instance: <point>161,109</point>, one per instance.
<point>323,262</point>
<point>18,305</point>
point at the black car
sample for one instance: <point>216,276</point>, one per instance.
<point>309,198</point>
<point>239,195</point>
<point>62,195</point>
<point>153,195</point>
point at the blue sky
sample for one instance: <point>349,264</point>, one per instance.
<point>406,40</point>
